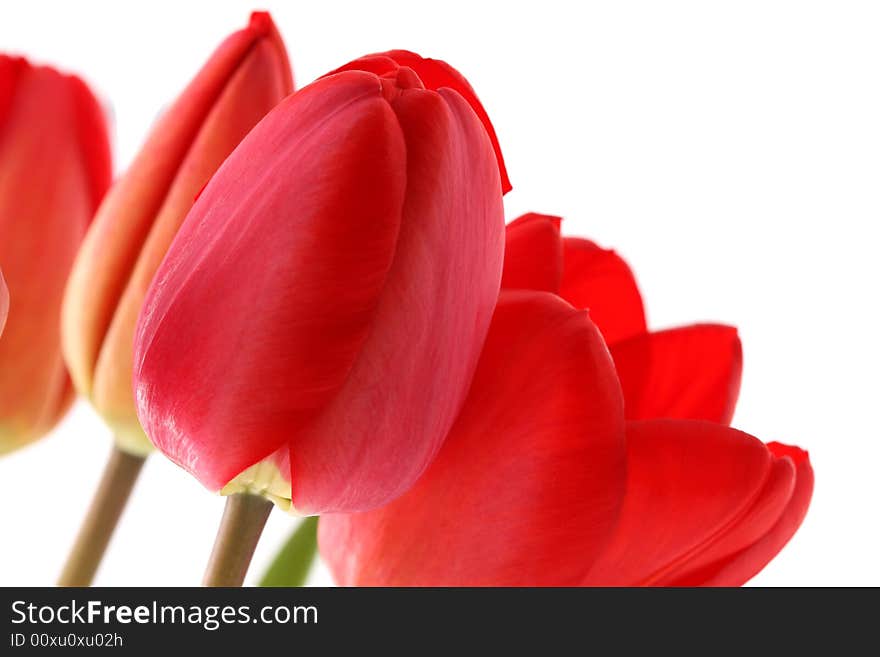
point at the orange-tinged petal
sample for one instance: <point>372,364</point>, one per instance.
<point>246,77</point>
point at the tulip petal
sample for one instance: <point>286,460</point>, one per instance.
<point>435,310</point>
<point>696,493</point>
<point>688,373</point>
<point>262,304</point>
<point>435,74</point>
<point>600,280</point>
<point>739,568</point>
<point>11,68</point>
<point>526,488</point>
<point>533,253</point>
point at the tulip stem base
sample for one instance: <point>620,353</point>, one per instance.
<point>117,482</point>
<point>243,520</point>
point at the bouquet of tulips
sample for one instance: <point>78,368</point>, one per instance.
<point>308,299</point>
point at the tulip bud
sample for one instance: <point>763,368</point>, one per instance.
<point>54,168</point>
<point>313,330</point>
<point>247,75</point>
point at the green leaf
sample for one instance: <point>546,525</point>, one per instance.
<point>292,564</point>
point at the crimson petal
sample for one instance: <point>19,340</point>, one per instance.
<point>600,280</point>
<point>745,564</point>
<point>533,253</point>
<point>688,373</point>
<point>696,493</point>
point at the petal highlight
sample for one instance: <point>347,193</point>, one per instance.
<point>4,302</point>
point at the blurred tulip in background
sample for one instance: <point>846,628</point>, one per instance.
<point>54,169</point>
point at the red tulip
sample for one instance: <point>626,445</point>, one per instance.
<point>536,486</point>
<point>246,76</point>
<point>4,302</point>
<point>54,168</point>
<point>348,251</point>
<point>691,372</point>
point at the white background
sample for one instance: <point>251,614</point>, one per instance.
<point>730,150</point>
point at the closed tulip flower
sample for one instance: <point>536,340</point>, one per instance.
<point>247,75</point>
<point>54,168</point>
<point>541,482</point>
<point>689,372</point>
<point>346,253</point>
